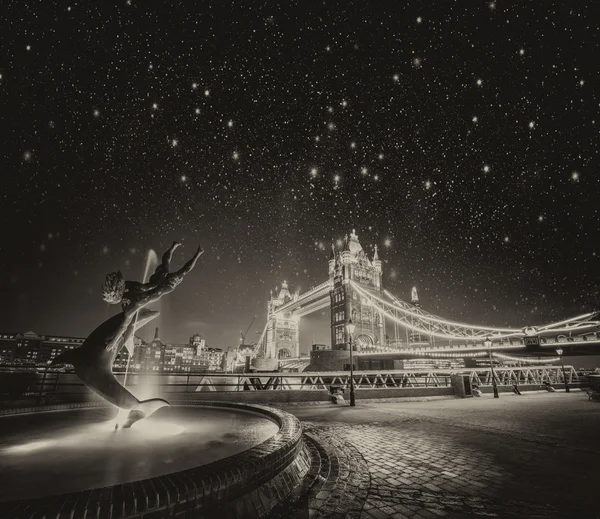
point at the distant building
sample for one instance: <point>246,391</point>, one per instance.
<point>31,349</point>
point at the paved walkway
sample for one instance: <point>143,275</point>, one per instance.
<point>537,455</point>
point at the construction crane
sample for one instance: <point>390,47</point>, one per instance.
<point>243,334</point>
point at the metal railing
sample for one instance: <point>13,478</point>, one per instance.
<point>58,386</point>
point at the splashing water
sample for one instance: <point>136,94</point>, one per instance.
<point>151,263</point>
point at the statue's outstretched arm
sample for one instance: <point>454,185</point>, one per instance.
<point>168,255</point>
<point>191,263</point>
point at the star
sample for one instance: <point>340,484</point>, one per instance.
<point>236,155</point>
<point>336,178</point>
<point>352,145</point>
<point>427,184</point>
<point>183,178</point>
<point>154,106</point>
<point>521,52</point>
<point>387,242</point>
<point>531,124</point>
<point>474,119</point>
<point>27,156</point>
<point>364,171</point>
<point>419,19</point>
<point>313,172</point>
<point>541,218</point>
<point>506,239</point>
<point>479,82</point>
<point>380,156</point>
<point>575,176</point>
<point>174,143</point>
<point>207,93</point>
<point>230,123</point>
<point>197,111</point>
<point>486,169</point>
<point>396,77</point>
<point>194,86</point>
<point>28,47</point>
<point>96,113</point>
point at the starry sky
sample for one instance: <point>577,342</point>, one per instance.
<point>460,137</point>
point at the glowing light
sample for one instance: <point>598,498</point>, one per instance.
<point>427,184</point>
<point>194,86</point>
<point>474,119</point>
<point>396,77</point>
<point>27,156</point>
<point>236,155</point>
<point>207,93</point>
<point>541,218</point>
<point>387,242</point>
<point>521,52</point>
<point>419,19</point>
<point>28,47</point>
<point>183,178</point>
<point>581,83</point>
<point>230,123</point>
<point>352,145</point>
<point>331,126</point>
<point>336,178</point>
<point>344,103</point>
<point>154,106</point>
<point>364,171</point>
<point>380,156</point>
<point>479,82</point>
<point>486,169</point>
<point>506,239</point>
<point>313,172</point>
<point>531,124</point>
<point>174,143</point>
<point>25,448</point>
<point>96,113</point>
<point>197,111</point>
<point>575,176</point>
<point>417,62</point>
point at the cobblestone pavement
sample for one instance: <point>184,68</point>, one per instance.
<point>537,455</point>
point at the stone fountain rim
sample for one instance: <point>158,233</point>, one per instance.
<point>204,486</point>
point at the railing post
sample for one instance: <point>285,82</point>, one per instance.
<point>41,391</point>
<point>187,384</point>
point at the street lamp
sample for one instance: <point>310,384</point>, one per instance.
<point>350,329</point>
<point>488,344</point>
<point>560,352</point>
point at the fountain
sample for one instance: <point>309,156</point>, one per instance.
<point>191,457</point>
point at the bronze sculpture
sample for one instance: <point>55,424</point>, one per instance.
<point>94,359</point>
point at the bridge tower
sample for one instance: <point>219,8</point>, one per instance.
<point>352,263</point>
<point>283,339</point>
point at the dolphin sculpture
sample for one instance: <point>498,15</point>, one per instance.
<point>93,363</point>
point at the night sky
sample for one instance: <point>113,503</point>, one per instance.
<point>461,137</point>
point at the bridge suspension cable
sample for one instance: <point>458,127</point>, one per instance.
<point>415,319</point>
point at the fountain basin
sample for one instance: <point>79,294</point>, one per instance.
<point>191,457</point>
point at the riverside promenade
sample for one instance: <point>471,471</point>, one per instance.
<point>535,455</point>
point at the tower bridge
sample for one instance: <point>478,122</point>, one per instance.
<point>388,327</point>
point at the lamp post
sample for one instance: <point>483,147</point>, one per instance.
<point>560,352</point>
<point>350,329</point>
<point>488,344</point>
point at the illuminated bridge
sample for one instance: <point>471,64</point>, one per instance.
<point>388,327</point>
